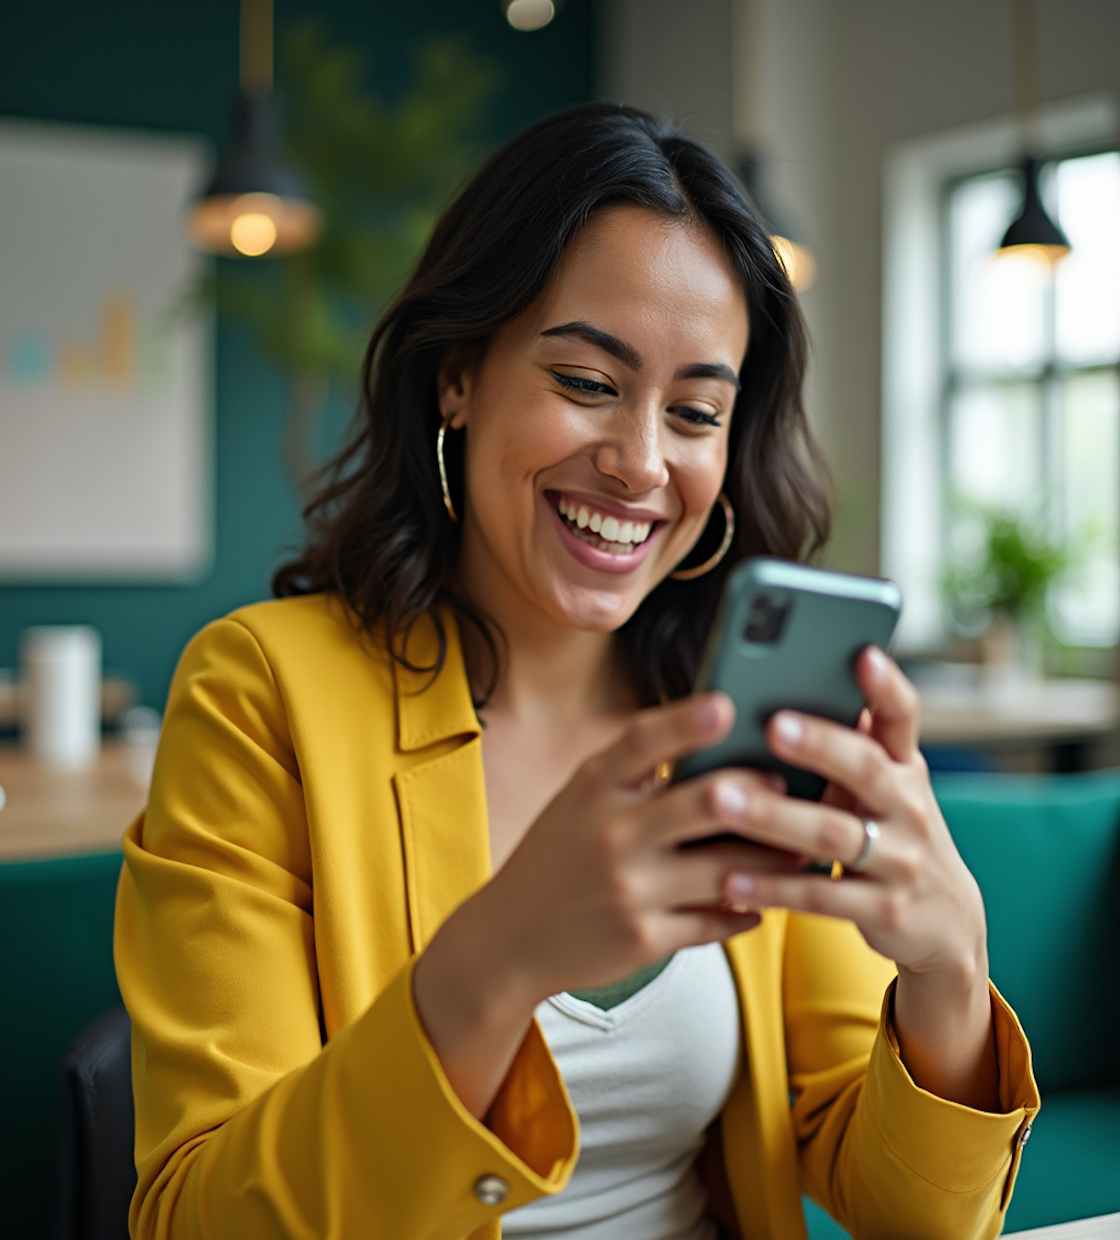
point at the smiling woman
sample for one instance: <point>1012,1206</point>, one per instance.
<point>650,276</point>
<point>410,933</point>
<point>626,418</point>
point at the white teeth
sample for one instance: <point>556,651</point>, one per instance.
<point>610,529</point>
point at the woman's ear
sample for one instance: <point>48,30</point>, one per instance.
<point>456,388</point>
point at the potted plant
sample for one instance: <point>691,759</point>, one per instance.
<point>998,583</point>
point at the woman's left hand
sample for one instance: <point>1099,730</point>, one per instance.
<point>914,900</point>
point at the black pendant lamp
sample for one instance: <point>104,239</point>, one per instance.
<point>1032,232</point>
<point>257,204</point>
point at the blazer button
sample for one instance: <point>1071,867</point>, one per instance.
<point>491,1190</point>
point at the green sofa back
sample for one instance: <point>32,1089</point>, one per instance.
<point>1046,853</point>
<point>56,975</point>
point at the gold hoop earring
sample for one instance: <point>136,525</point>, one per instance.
<point>690,574</point>
<point>443,472</point>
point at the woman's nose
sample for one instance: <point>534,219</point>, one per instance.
<point>632,452</point>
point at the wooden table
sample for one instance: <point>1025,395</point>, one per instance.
<point>1063,716</point>
<point>50,813</point>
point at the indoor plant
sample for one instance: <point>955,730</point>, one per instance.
<point>998,582</point>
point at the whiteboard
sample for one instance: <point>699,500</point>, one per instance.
<point>105,382</point>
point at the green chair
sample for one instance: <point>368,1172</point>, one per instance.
<point>1046,853</point>
<point>56,975</point>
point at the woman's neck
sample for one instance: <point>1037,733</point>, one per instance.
<point>550,673</point>
<point>570,677</point>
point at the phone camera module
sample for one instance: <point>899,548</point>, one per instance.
<point>766,619</point>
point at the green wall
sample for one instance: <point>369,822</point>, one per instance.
<point>172,66</point>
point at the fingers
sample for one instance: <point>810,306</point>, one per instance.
<point>867,904</point>
<point>704,806</point>
<point>777,833</point>
<point>861,764</point>
<point>894,703</point>
<point>699,926</point>
<point>665,734</point>
<point>803,829</point>
<point>696,878</point>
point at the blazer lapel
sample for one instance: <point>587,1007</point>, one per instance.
<point>441,794</point>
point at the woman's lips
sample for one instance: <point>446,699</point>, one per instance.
<point>591,556</point>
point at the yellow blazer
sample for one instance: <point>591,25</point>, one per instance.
<point>314,816</point>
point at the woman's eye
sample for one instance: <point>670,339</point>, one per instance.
<point>696,416</point>
<point>577,383</point>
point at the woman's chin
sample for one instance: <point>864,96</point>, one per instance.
<point>595,611</point>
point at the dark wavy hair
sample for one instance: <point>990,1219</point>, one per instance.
<point>377,532</point>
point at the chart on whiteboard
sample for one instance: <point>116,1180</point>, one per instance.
<point>105,363</point>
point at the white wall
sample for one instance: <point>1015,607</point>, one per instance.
<point>672,58</point>
<point>843,81</point>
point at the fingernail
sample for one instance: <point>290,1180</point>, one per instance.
<point>707,713</point>
<point>739,887</point>
<point>731,799</point>
<point>878,661</point>
<point>789,729</point>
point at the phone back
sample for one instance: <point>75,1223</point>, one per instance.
<point>788,636</point>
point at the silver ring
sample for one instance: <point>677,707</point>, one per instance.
<point>871,835</point>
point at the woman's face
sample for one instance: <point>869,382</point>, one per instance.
<point>597,423</point>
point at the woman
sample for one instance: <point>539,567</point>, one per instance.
<point>405,832</point>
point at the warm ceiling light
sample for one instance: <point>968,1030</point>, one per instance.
<point>1032,233</point>
<point>529,14</point>
<point>257,203</point>
<point>253,224</point>
<point>253,233</point>
<point>798,262</point>
<point>796,258</point>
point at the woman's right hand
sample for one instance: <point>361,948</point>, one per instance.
<point>597,889</point>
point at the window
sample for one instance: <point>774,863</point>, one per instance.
<point>1030,414</point>
<point>993,383</point>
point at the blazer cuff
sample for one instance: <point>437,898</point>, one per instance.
<point>973,1147</point>
<point>532,1140</point>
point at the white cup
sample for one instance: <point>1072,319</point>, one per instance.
<point>62,693</point>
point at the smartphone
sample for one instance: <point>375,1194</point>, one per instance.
<point>787,636</point>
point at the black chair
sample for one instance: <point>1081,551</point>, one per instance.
<point>96,1173</point>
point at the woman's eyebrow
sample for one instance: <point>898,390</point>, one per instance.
<point>710,370</point>
<point>629,356</point>
<point>626,353</point>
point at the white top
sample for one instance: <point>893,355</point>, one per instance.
<point>646,1079</point>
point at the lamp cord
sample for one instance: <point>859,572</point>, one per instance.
<point>256,47</point>
<point>1026,75</point>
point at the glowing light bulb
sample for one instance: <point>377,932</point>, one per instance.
<point>253,233</point>
<point>1047,257</point>
<point>530,14</point>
